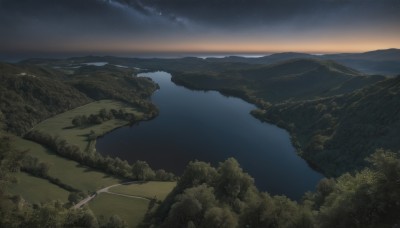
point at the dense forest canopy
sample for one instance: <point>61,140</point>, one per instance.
<point>336,134</point>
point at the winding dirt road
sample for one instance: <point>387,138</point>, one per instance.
<point>106,190</point>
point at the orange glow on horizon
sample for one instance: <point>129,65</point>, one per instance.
<point>234,45</point>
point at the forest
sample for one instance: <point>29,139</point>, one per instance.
<point>336,134</point>
<point>225,196</point>
<point>348,131</point>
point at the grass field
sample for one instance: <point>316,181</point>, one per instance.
<point>151,189</point>
<point>72,173</point>
<point>61,125</point>
<point>129,209</point>
<point>68,171</point>
<point>37,190</point>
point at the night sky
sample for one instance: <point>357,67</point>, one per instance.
<point>132,27</point>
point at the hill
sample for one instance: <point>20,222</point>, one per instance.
<point>385,62</point>
<point>296,79</point>
<point>336,134</point>
<point>32,93</point>
<point>269,59</point>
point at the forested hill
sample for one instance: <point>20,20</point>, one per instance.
<point>385,62</point>
<point>336,134</point>
<point>296,79</point>
<point>32,93</point>
<point>29,94</point>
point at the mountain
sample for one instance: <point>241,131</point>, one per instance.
<point>296,79</point>
<point>385,62</point>
<point>262,60</point>
<point>392,54</point>
<point>336,134</point>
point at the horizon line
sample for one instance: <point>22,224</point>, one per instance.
<point>20,56</point>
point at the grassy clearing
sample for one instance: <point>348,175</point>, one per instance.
<point>61,125</point>
<point>129,209</point>
<point>37,190</point>
<point>151,189</point>
<point>68,171</point>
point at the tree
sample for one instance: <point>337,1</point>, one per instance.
<point>79,218</point>
<point>75,197</point>
<point>197,173</point>
<point>77,121</point>
<point>103,114</point>
<point>43,169</point>
<point>115,222</point>
<point>220,217</point>
<point>191,206</point>
<point>142,171</point>
<point>232,182</point>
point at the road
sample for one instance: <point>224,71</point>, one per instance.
<point>106,190</point>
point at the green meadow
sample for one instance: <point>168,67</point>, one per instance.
<point>37,190</point>
<point>67,171</point>
<point>61,125</point>
<point>152,189</point>
<point>132,210</point>
<point>84,178</point>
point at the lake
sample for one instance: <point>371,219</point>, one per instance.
<point>211,127</point>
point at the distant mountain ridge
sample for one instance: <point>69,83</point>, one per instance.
<point>385,62</point>
<point>295,79</point>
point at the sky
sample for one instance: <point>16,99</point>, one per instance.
<point>153,27</point>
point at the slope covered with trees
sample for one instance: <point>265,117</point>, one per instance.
<point>297,79</point>
<point>28,96</point>
<point>385,61</point>
<point>30,93</point>
<point>336,134</point>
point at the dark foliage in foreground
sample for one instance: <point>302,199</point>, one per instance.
<point>226,197</point>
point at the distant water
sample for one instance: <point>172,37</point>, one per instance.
<point>96,64</point>
<point>208,126</point>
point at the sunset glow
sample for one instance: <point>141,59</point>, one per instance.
<point>118,27</point>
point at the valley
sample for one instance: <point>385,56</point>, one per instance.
<point>342,121</point>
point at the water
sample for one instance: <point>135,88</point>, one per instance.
<point>208,126</point>
<point>96,64</point>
